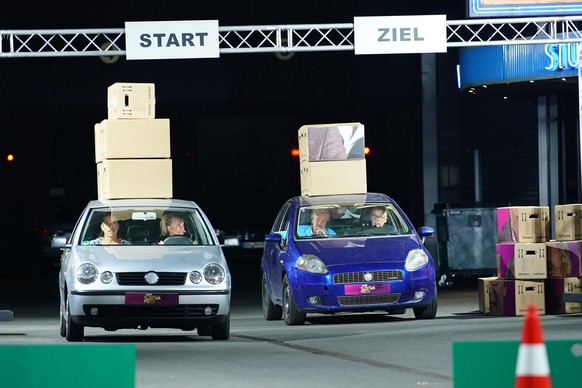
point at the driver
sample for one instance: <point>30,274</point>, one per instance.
<point>171,225</point>
<point>378,217</point>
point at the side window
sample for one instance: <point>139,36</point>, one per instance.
<point>281,224</point>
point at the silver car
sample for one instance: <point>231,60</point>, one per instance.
<point>119,271</point>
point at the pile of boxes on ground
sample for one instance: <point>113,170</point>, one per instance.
<point>332,159</point>
<point>531,268</point>
<point>132,147</point>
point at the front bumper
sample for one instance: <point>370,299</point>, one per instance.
<point>320,294</point>
<point>110,310</point>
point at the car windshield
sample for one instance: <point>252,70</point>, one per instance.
<point>350,220</point>
<point>145,226</point>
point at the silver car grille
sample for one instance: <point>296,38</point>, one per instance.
<point>138,279</point>
<point>151,311</point>
<point>364,300</point>
<point>358,277</point>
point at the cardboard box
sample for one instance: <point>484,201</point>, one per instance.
<point>131,101</point>
<point>568,222</point>
<point>483,293</point>
<point>331,142</point>
<point>564,259</point>
<point>521,261</point>
<point>555,289</point>
<point>529,224</point>
<point>134,178</point>
<point>512,297</point>
<point>132,139</point>
<point>333,177</point>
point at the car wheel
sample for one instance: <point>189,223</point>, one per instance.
<point>204,330</point>
<point>74,332</point>
<point>222,331</point>
<point>271,311</point>
<point>429,311</point>
<point>396,311</point>
<point>63,323</point>
<point>291,315</point>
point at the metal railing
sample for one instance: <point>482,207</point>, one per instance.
<point>289,38</point>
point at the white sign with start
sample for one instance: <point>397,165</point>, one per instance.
<point>400,34</point>
<point>172,39</point>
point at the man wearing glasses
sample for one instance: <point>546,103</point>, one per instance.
<point>378,217</point>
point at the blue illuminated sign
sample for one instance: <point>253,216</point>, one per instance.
<point>497,8</point>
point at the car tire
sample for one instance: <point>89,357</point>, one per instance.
<point>63,324</point>
<point>221,332</point>
<point>74,332</point>
<point>396,311</point>
<point>429,311</point>
<point>204,330</point>
<point>291,315</point>
<point>271,311</point>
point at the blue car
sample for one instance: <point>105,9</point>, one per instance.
<point>346,253</point>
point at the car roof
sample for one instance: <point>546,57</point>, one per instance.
<point>347,198</point>
<point>142,202</point>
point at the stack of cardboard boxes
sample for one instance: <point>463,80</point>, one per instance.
<point>332,159</point>
<point>526,269</point>
<point>564,259</point>
<point>132,147</point>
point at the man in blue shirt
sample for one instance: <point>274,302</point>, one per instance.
<point>318,227</point>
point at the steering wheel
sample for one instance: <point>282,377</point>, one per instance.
<point>178,240</point>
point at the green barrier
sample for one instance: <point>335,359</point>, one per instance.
<point>492,364</point>
<point>87,366</point>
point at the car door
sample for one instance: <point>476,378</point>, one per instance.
<point>274,253</point>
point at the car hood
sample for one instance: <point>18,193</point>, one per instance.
<point>342,251</point>
<point>149,258</point>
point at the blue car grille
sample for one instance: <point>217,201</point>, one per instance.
<point>358,277</point>
<point>126,311</point>
<point>363,300</point>
<point>138,279</point>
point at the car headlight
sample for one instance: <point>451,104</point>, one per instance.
<point>87,273</point>
<point>311,263</point>
<point>106,277</point>
<point>415,259</point>
<point>195,277</point>
<point>214,273</point>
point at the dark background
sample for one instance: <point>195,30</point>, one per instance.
<point>234,120</point>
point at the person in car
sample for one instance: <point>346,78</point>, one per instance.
<point>171,225</point>
<point>378,217</point>
<point>109,230</point>
<point>318,226</point>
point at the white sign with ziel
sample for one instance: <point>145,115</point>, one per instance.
<point>172,39</point>
<point>400,34</point>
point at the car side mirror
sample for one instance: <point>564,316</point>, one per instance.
<point>425,231</point>
<point>273,238</point>
<point>230,241</point>
<point>59,241</point>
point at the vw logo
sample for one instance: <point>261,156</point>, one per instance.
<point>151,278</point>
<point>368,277</point>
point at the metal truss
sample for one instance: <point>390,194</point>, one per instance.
<point>289,38</point>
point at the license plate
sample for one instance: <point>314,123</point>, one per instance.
<point>365,289</point>
<point>150,298</point>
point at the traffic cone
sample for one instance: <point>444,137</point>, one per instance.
<point>533,369</point>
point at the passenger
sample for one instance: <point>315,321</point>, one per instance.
<point>318,227</point>
<point>171,225</point>
<point>109,229</point>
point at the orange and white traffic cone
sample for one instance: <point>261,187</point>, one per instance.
<point>533,369</point>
